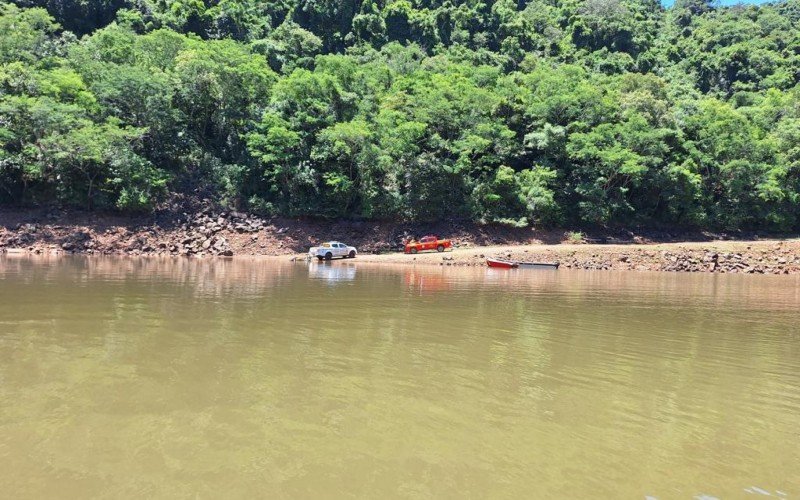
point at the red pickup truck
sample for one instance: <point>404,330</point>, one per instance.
<point>427,243</point>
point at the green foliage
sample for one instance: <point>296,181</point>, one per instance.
<point>289,46</point>
<point>25,35</point>
<point>135,182</point>
<point>79,16</point>
<point>536,112</point>
<point>574,237</point>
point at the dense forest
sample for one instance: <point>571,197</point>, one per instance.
<point>584,112</point>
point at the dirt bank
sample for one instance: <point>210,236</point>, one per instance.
<point>209,232</point>
<point>204,231</point>
<point>750,257</point>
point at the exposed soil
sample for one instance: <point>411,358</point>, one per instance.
<point>203,231</point>
<point>207,232</point>
<point>749,257</point>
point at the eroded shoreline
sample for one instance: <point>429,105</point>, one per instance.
<point>744,257</point>
<point>214,233</point>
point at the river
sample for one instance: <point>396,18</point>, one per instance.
<point>172,378</point>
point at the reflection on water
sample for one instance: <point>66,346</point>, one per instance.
<point>259,377</point>
<point>332,272</point>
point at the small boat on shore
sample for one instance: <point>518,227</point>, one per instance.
<point>538,265</point>
<point>501,264</point>
<point>507,264</point>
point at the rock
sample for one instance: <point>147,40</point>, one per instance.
<point>80,236</point>
<point>68,246</point>
<point>207,244</point>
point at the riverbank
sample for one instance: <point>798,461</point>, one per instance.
<point>206,232</point>
<point>746,257</point>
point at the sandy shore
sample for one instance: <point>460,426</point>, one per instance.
<point>753,257</point>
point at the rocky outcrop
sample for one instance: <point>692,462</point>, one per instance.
<point>205,233</point>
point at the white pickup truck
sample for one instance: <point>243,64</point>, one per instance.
<point>332,249</point>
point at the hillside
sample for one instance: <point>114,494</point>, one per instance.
<point>544,112</point>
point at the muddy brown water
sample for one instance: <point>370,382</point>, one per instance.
<point>174,378</point>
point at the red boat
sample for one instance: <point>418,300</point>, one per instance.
<point>502,264</point>
<point>505,264</point>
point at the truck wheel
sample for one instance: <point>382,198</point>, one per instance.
<point>440,248</point>
<point>328,256</point>
<point>352,254</point>
<point>413,250</point>
<point>319,258</point>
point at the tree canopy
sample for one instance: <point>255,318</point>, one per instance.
<point>607,112</point>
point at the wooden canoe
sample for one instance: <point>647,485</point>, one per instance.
<point>501,264</point>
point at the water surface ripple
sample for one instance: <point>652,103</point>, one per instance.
<point>255,377</point>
